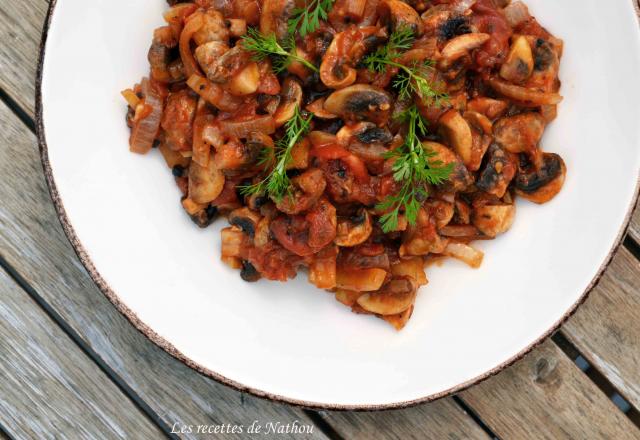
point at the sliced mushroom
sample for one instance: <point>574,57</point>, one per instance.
<point>394,297</point>
<point>236,155</point>
<point>462,45</point>
<point>479,121</point>
<point>317,108</point>
<point>205,183</point>
<point>458,134</point>
<point>201,215</point>
<point>459,179</point>
<point>335,69</point>
<point>275,16</point>
<point>411,267</point>
<point>498,172</point>
<point>245,219</point>
<point>400,320</point>
<point>491,108</point>
<point>518,66</point>
<point>542,185</point>
<point>400,15</point>
<point>347,297</point>
<point>520,133</point>
<point>248,272</point>
<point>291,99</point>
<point>492,220</point>
<point>360,102</point>
<point>361,280</point>
<point>441,211</point>
<point>354,230</point>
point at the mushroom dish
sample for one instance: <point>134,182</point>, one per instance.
<point>357,140</point>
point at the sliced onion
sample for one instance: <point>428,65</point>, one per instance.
<point>472,256</point>
<point>516,13</point>
<point>192,26</point>
<point>145,129</point>
<point>203,121</point>
<point>243,128</point>
<point>213,93</point>
<point>524,95</point>
<point>460,231</point>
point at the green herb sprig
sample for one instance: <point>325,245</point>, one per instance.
<point>306,20</point>
<point>411,79</point>
<point>413,167</point>
<point>281,53</point>
<point>277,183</point>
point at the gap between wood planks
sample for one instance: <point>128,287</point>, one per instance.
<point>569,349</point>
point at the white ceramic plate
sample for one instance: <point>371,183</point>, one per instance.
<point>291,341</point>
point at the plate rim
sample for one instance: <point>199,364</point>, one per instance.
<point>168,347</point>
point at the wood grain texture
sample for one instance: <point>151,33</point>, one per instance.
<point>49,387</point>
<point>442,419</point>
<point>545,396</point>
<point>32,241</point>
<point>634,226</point>
<point>20,26</point>
<point>606,329</point>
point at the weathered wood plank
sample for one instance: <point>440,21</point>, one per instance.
<point>32,241</point>
<point>20,27</point>
<point>606,328</point>
<point>634,226</point>
<point>545,396</point>
<point>437,420</point>
<point>49,386</point>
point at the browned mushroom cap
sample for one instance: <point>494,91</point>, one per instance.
<point>518,66</point>
<point>462,45</point>
<point>458,134</point>
<point>245,219</point>
<point>275,17</point>
<point>335,71</point>
<point>459,178</point>
<point>542,185</point>
<point>205,183</point>
<point>394,297</point>
<point>492,220</point>
<point>354,230</point>
<point>400,15</point>
<point>360,102</point>
<point>201,215</point>
<point>498,172</point>
<point>520,133</point>
<point>291,98</point>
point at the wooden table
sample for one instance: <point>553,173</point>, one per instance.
<point>71,365</point>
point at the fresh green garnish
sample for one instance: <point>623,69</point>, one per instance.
<point>277,183</point>
<point>281,53</point>
<point>411,79</point>
<point>414,168</point>
<point>306,20</point>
